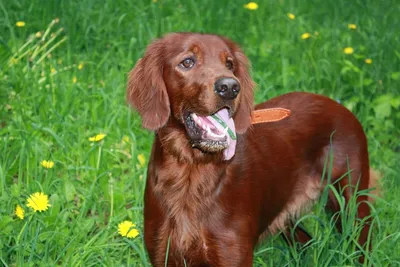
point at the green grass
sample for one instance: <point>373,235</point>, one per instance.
<point>94,186</point>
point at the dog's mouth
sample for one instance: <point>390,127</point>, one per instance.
<point>213,133</point>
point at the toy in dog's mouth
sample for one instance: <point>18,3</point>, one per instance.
<point>212,133</point>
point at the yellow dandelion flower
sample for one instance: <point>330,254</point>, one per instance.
<point>38,34</point>
<point>305,35</point>
<point>127,229</point>
<point>251,6</point>
<point>74,80</point>
<point>142,160</point>
<point>80,66</point>
<point>48,164</point>
<point>352,26</point>
<point>20,24</point>
<point>19,212</point>
<point>348,50</point>
<point>291,16</point>
<point>368,61</point>
<point>38,202</point>
<point>53,70</point>
<point>97,138</point>
<point>126,139</point>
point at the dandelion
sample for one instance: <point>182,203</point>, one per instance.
<point>368,61</point>
<point>80,66</point>
<point>38,202</point>
<point>251,6</point>
<point>97,138</point>
<point>352,26</point>
<point>126,139</point>
<point>74,80</point>
<point>19,212</point>
<point>142,160</point>
<point>305,35</point>
<point>291,16</point>
<point>127,229</point>
<point>348,50</point>
<point>20,24</point>
<point>48,164</point>
<point>53,70</point>
<point>38,34</point>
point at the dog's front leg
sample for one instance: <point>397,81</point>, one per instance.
<point>233,247</point>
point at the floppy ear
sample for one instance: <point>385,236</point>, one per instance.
<point>146,90</point>
<point>242,116</point>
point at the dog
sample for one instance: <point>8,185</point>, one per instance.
<point>216,182</point>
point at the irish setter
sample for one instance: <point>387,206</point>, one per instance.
<point>216,183</point>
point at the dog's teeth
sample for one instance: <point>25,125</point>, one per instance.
<point>212,134</point>
<point>209,130</point>
<point>196,119</point>
<point>194,116</point>
<point>217,135</point>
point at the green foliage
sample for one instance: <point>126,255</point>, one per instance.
<point>63,81</point>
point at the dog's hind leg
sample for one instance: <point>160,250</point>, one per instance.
<point>296,235</point>
<point>351,180</point>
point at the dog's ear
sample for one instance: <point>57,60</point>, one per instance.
<point>146,90</point>
<point>242,116</point>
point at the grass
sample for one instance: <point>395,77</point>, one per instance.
<point>68,85</point>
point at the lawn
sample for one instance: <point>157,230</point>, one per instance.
<point>63,70</point>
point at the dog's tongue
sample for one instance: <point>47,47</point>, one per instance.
<point>221,120</point>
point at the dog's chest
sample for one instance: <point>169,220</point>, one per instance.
<point>186,239</point>
<point>188,200</point>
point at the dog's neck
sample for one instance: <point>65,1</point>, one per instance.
<point>184,169</point>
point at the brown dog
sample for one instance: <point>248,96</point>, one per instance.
<point>212,191</point>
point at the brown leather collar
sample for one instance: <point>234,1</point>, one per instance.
<point>269,115</point>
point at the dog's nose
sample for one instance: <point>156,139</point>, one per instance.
<point>227,88</point>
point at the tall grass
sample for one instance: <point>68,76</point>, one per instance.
<point>62,81</point>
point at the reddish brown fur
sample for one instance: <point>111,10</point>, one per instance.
<point>213,211</point>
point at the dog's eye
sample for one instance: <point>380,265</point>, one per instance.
<point>229,64</point>
<point>187,63</point>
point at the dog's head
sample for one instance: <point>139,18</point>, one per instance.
<point>198,81</point>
